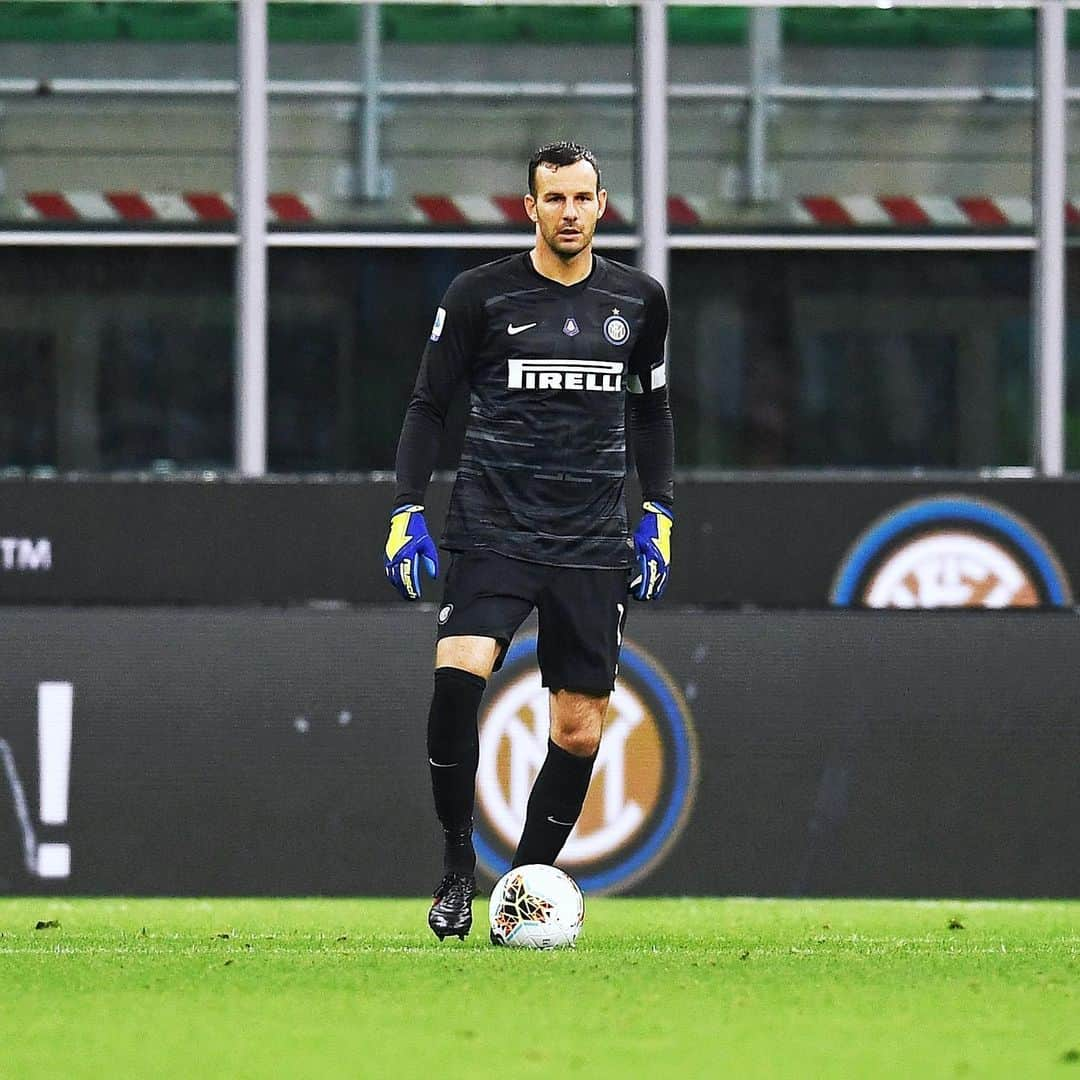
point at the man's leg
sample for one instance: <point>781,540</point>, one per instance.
<point>462,668</point>
<point>581,620</point>
<point>577,721</point>
<point>486,597</point>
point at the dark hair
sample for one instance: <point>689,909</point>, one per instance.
<point>561,153</point>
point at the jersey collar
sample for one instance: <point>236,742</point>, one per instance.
<point>558,287</point>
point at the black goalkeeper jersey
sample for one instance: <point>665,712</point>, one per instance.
<point>543,468</point>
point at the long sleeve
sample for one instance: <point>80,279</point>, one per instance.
<point>652,428</point>
<point>444,364</point>
<point>653,432</point>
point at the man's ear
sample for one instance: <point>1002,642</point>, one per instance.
<point>530,208</point>
<point>601,198</point>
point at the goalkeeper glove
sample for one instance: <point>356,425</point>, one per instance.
<point>408,548</point>
<point>652,549</point>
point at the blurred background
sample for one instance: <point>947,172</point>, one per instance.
<point>224,230</point>
<point>849,232</point>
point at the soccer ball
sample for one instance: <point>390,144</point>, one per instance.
<point>536,907</point>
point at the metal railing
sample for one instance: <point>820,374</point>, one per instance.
<point>490,90</point>
<point>651,95</point>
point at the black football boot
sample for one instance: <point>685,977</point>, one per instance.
<point>451,910</point>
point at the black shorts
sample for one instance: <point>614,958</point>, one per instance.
<point>581,614</point>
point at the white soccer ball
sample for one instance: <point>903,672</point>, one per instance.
<point>536,907</point>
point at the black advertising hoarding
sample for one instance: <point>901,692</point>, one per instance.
<point>262,751</point>
<point>775,541</point>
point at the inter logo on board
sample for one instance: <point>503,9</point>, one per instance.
<point>951,552</point>
<point>643,783</point>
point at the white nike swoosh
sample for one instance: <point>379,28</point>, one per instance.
<point>564,824</point>
<point>440,765</point>
<point>512,329</point>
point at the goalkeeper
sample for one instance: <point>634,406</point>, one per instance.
<point>548,341</point>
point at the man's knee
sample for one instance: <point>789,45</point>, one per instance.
<point>580,742</point>
<point>577,721</point>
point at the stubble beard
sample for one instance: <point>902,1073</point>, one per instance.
<point>566,254</point>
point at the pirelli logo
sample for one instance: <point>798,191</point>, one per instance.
<point>603,375</point>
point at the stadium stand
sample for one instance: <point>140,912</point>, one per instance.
<point>492,24</point>
<point>145,159</point>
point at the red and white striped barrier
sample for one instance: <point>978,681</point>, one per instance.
<point>881,212</point>
<point>207,207</point>
<point>464,211</point>
<point>825,211</point>
<point>171,207</point>
<point>921,211</point>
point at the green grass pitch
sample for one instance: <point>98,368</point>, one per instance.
<point>656,988</point>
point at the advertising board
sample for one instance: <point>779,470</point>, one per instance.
<point>282,751</point>
<point>775,541</point>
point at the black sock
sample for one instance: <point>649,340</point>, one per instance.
<point>554,805</point>
<point>453,753</point>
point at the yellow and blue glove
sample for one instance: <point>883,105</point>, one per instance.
<point>409,548</point>
<point>652,550</point>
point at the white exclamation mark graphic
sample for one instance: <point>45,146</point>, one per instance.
<point>54,773</point>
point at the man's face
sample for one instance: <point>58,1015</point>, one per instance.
<point>567,206</point>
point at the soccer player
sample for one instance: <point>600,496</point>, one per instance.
<point>548,341</point>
